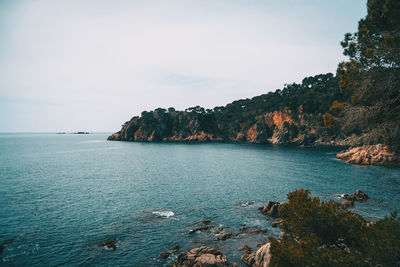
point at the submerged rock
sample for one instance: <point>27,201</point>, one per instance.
<point>201,228</point>
<point>202,256</point>
<point>165,254</point>
<point>175,248</point>
<point>206,222</point>
<point>370,155</point>
<point>110,244</point>
<point>252,230</point>
<point>218,230</point>
<point>224,236</point>
<point>1,249</point>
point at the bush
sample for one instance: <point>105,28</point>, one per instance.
<point>327,234</point>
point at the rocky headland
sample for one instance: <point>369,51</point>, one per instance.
<point>313,113</point>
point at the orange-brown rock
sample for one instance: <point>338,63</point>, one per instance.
<point>202,256</point>
<point>260,258</point>
<point>370,154</point>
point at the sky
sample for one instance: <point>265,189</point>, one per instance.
<point>72,65</point>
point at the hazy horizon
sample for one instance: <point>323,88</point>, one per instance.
<point>91,66</point>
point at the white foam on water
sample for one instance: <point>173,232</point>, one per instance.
<point>166,214</point>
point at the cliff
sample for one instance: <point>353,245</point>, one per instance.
<point>315,112</point>
<point>292,115</point>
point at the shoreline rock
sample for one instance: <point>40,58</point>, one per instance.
<point>259,258</point>
<point>271,208</point>
<point>202,256</point>
<point>359,196</point>
<point>370,155</point>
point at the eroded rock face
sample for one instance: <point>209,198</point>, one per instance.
<point>370,154</point>
<point>278,127</point>
<point>202,256</point>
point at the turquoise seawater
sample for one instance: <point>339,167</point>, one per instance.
<point>60,195</point>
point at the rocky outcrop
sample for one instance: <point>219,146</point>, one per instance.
<point>359,196</point>
<point>370,154</point>
<point>260,258</point>
<point>278,127</point>
<point>202,256</point>
<point>271,208</point>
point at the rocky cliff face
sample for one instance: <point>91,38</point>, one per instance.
<point>278,127</point>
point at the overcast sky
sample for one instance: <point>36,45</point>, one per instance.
<point>92,65</point>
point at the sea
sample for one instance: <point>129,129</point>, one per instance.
<point>62,195</point>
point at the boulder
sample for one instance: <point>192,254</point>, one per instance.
<point>263,256</point>
<point>202,256</point>
<point>260,258</point>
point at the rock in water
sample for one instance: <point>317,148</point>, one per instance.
<point>202,256</point>
<point>224,236</point>
<point>110,244</point>
<point>271,208</point>
<point>201,228</point>
<point>370,154</point>
<point>165,254</point>
<point>359,196</point>
<point>260,258</point>
<point>263,256</point>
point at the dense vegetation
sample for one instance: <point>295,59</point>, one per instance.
<point>372,74</point>
<point>327,234</point>
<point>313,97</point>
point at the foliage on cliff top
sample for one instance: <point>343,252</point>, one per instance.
<point>372,73</point>
<point>327,234</point>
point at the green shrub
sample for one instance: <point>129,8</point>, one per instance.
<point>328,234</point>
